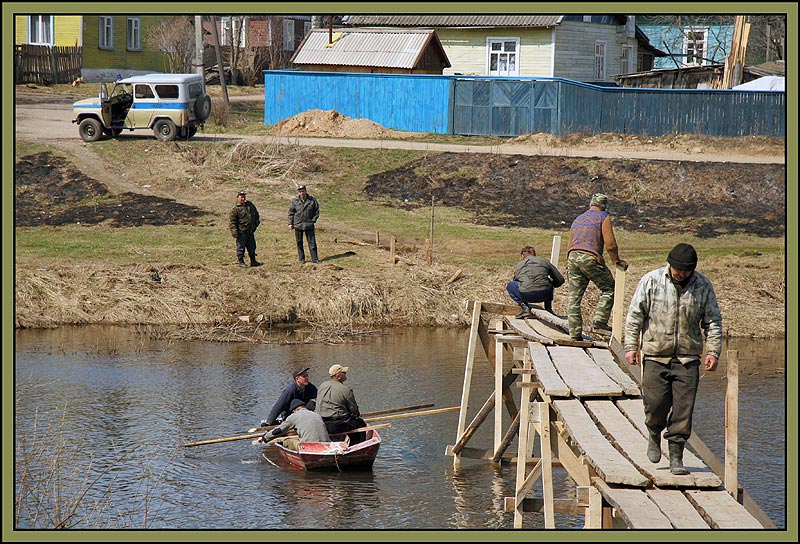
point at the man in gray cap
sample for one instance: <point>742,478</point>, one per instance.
<point>673,310</point>
<point>337,405</point>
<point>308,424</point>
<point>243,222</point>
<point>589,234</point>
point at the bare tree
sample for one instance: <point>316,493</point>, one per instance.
<point>174,37</point>
<point>708,36</point>
<point>767,39</point>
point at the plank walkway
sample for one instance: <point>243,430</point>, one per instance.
<point>595,430</point>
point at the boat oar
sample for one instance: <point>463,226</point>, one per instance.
<point>367,414</point>
<point>413,414</point>
<point>217,440</point>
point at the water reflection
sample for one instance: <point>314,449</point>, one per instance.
<point>110,390</point>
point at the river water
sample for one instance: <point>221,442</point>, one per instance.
<point>107,410</point>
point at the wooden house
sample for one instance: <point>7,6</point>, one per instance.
<point>390,51</point>
<point>588,48</point>
<point>688,40</point>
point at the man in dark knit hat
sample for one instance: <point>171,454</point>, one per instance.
<point>300,388</point>
<point>673,311</point>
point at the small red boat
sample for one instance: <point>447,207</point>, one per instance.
<point>333,455</point>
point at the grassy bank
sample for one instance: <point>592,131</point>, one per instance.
<point>101,273</point>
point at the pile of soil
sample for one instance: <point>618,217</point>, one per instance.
<point>49,190</point>
<point>705,199</point>
<point>331,123</point>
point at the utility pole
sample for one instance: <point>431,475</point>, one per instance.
<point>221,67</point>
<point>198,48</point>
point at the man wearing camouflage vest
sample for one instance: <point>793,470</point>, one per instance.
<point>243,222</point>
<point>589,234</point>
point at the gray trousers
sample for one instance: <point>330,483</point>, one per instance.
<point>668,392</point>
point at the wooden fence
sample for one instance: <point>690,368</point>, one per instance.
<point>45,64</point>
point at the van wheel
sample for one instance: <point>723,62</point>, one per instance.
<point>90,130</point>
<point>165,130</point>
<point>202,108</point>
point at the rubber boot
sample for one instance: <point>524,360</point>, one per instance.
<point>241,263</point>
<point>524,312</point>
<point>548,306</point>
<point>254,262</point>
<point>654,447</point>
<point>676,459</point>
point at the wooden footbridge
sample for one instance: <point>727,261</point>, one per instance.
<point>584,405</point>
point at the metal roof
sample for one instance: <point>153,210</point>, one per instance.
<point>381,48</point>
<point>458,21</point>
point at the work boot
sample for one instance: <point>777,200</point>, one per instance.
<point>654,447</point>
<point>524,312</point>
<point>676,459</point>
<point>241,263</point>
<point>601,326</point>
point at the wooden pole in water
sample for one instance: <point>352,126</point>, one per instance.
<point>732,424</point>
<point>473,338</point>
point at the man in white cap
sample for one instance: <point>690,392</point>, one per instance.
<point>337,405</point>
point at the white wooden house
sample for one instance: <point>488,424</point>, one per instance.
<point>589,48</point>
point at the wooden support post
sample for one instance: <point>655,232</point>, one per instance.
<point>555,251</point>
<point>618,312</point>
<point>377,239</point>
<point>473,340</point>
<point>732,424</point>
<point>594,513</point>
<point>427,252</point>
<point>524,437</point>
<point>498,390</point>
<point>391,250</point>
<point>547,464</point>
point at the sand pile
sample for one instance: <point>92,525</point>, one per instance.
<point>334,124</point>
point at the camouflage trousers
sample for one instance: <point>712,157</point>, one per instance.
<point>581,269</point>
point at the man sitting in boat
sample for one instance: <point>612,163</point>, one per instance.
<point>308,424</point>
<point>336,403</point>
<point>301,388</point>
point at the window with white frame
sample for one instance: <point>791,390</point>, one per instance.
<point>503,56</point>
<point>40,29</point>
<point>695,46</point>
<point>599,61</point>
<point>625,62</point>
<point>288,35</point>
<point>232,31</point>
<point>105,38</point>
<point>134,34</point>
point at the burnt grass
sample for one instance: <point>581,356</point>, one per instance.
<point>704,199</point>
<point>49,190</point>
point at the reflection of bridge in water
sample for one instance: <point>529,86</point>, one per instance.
<point>585,408</point>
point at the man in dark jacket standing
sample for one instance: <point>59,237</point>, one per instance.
<point>303,214</point>
<point>243,222</point>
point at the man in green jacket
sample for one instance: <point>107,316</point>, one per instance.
<point>673,310</point>
<point>243,222</point>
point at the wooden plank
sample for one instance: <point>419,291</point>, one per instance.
<point>701,474</point>
<point>633,445</point>
<point>732,424</point>
<point>633,506</point>
<point>581,373</point>
<point>598,452</point>
<point>526,331</point>
<point>677,508</point>
<point>605,360</point>
<point>552,384</point>
<point>721,511</point>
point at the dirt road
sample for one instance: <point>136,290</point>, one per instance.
<point>47,117</point>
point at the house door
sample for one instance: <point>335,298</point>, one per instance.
<point>503,56</point>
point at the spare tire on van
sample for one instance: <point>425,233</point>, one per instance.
<point>202,108</point>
